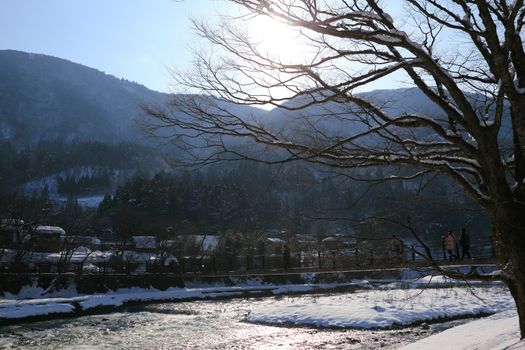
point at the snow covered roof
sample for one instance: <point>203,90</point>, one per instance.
<point>134,256</point>
<point>50,230</point>
<point>167,261</point>
<point>11,222</point>
<point>169,243</point>
<point>100,256</point>
<point>80,254</point>
<point>339,238</point>
<point>145,242</point>
<point>274,240</point>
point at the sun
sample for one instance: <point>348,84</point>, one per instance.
<point>276,40</point>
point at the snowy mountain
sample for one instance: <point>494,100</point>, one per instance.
<point>52,110</point>
<point>57,117</point>
<point>339,119</point>
<point>47,98</point>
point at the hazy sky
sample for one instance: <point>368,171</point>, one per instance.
<point>133,39</point>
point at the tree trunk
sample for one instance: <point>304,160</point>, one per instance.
<point>509,225</point>
<point>517,291</point>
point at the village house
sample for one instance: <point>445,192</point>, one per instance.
<point>47,238</point>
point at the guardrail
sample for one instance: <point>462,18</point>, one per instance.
<point>314,260</point>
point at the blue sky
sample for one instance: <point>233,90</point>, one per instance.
<point>134,39</point>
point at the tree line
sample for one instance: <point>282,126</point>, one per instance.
<point>251,197</point>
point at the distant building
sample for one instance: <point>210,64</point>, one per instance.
<point>338,242</point>
<point>306,242</point>
<point>194,244</point>
<point>90,242</point>
<point>6,224</point>
<point>276,233</point>
<point>47,238</point>
<point>273,245</point>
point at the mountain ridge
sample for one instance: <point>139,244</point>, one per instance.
<point>45,97</point>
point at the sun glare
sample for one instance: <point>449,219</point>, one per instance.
<point>275,39</point>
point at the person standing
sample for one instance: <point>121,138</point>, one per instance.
<point>464,242</point>
<point>397,249</point>
<point>286,257</point>
<point>449,241</point>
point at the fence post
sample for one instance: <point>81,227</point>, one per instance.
<point>320,263</point>
<point>262,261</point>
<point>247,262</point>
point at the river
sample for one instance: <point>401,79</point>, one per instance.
<point>196,325</point>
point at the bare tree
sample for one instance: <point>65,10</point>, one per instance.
<point>21,215</point>
<point>476,81</point>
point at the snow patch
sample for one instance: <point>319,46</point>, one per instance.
<point>497,332</point>
<point>385,308</point>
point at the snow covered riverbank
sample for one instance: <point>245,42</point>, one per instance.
<point>386,308</point>
<point>363,307</point>
<point>390,308</point>
<point>497,332</point>
<point>33,302</point>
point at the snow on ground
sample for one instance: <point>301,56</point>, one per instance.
<point>36,292</point>
<point>90,201</point>
<point>13,306</point>
<point>372,308</point>
<point>41,307</point>
<point>367,308</point>
<point>84,201</point>
<point>497,332</point>
<point>385,308</point>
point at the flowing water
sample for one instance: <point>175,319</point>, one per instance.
<point>196,325</point>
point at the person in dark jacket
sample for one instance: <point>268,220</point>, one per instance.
<point>464,242</point>
<point>286,257</point>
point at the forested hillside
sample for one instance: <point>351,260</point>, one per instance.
<point>74,131</point>
<point>252,198</point>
